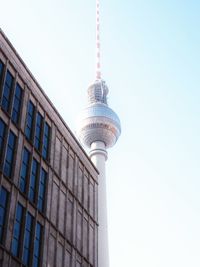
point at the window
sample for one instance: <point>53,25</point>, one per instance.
<point>46,137</point>
<point>33,180</point>
<point>17,104</point>
<point>17,231</point>
<point>38,131</point>
<point>24,170</point>
<point>42,188</point>
<point>37,245</point>
<point>1,70</point>
<point>27,239</point>
<point>7,91</point>
<point>2,136</point>
<point>8,165</point>
<point>3,204</point>
<point>29,120</point>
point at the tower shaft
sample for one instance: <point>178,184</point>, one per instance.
<point>98,155</point>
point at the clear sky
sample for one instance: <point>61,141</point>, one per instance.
<point>151,62</point>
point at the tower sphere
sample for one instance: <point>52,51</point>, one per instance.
<point>98,122</point>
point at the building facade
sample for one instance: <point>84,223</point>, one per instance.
<point>48,185</point>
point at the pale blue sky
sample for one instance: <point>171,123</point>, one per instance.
<point>151,64</point>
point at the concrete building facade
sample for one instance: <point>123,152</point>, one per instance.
<point>48,185</point>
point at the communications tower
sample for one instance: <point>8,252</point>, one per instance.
<point>98,129</point>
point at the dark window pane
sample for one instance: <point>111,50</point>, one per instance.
<point>29,120</point>
<point>27,239</point>
<point>35,262</point>
<point>3,197</point>
<point>33,180</point>
<point>24,170</point>
<point>26,256</point>
<point>42,189</point>
<point>46,141</point>
<point>17,231</point>
<point>3,206</point>
<point>6,99</point>
<point>38,131</point>
<point>15,247</point>
<point>8,164</point>
<point>2,211</point>
<point>37,245</point>
<point>17,104</point>
<point>19,212</point>
<point>2,136</point>
<point>1,70</point>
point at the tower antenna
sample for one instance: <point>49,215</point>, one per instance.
<point>98,45</point>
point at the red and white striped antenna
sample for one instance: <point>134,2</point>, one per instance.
<point>98,54</point>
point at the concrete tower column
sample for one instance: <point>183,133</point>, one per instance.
<point>98,155</point>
